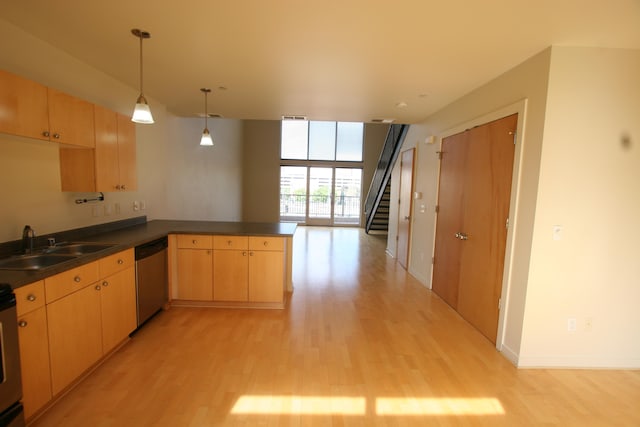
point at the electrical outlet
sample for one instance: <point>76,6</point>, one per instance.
<point>136,206</point>
<point>107,210</point>
<point>572,324</point>
<point>588,324</point>
<point>143,205</point>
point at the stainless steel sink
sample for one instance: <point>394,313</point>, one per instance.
<point>33,262</point>
<point>78,248</point>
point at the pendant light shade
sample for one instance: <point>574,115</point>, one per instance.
<point>206,139</point>
<point>141,112</point>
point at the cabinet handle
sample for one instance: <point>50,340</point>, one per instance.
<point>118,187</point>
<point>251,253</point>
<point>31,297</point>
<point>194,241</point>
<point>45,133</point>
<point>22,323</point>
<point>266,243</point>
<point>56,136</point>
<point>122,187</point>
<point>244,253</point>
<point>105,283</point>
<point>77,279</point>
<point>120,262</point>
<point>98,287</point>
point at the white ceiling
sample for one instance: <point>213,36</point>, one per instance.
<point>349,60</point>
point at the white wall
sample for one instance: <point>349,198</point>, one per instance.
<point>204,183</point>
<point>590,185</point>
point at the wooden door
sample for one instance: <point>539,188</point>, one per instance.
<point>34,360</point>
<point>450,215</point>
<point>487,195</point>
<point>195,274</point>
<point>404,211</point>
<point>106,156</point>
<point>24,107</point>
<point>75,338</point>
<point>230,275</point>
<point>127,153</point>
<point>118,302</point>
<point>70,119</point>
<point>266,276</point>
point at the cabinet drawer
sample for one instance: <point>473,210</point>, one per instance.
<point>257,243</point>
<point>29,297</point>
<point>116,262</point>
<point>70,281</point>
<point>230,242</point>
<point>194,241</point>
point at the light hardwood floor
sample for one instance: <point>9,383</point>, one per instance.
<point>360,343</point>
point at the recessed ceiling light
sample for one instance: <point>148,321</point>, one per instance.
<point>401,104</point>
<point>387,121</point>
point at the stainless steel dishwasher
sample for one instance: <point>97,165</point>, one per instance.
<point>151,278</point>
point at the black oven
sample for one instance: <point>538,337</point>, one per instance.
<point>10,386</point>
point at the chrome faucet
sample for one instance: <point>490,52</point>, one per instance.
<point>28,238</point>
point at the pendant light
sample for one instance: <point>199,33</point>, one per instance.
<point>206,140</point>
<point>141,113</point>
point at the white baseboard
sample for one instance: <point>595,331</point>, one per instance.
<point>577,362</point>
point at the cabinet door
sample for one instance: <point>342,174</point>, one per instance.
<point>106,155</point>
<point>230,275</point>
<point>127,153</point>
<point>34,360</point>
<point>266,276</point>
<point>24,107</point>
<point>118,303</point>
<point>70,120</point>
<point>195,274</point>
<point>75,338</point>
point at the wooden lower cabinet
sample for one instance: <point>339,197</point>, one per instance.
<point>230,272</point>
<point>266,276</point>
<point>34,360</point>
<point>75,339</point>
<point>195,274</point>
<point>118,307</point>
<point>242,270</point>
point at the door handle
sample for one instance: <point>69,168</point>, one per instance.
<point>462,236</point>
<point>407,218</point>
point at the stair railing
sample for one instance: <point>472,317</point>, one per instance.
<point>390,150</point>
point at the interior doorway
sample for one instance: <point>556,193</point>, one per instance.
<point>404,213</point>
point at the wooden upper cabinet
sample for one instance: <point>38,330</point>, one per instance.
<point>127,153</point>
<point>70,120</point>
<point>23,107</point>
<point>112,165</point>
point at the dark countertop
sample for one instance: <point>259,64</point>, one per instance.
<point>139,234</point>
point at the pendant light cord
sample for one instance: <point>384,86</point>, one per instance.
<point>141,69</point>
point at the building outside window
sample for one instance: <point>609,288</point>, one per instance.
<point>321,172</point>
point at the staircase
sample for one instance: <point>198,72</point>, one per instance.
<point>378,199</point>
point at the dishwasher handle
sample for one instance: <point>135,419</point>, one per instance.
<point>147,249</point>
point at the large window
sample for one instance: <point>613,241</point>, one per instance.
<point>321,172</point>
<point>325,141</point>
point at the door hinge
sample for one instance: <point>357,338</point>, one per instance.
<point>439,153</point>
<point>437,208</point>
<point>500,304</point>
<point>433,260</point>
<point>514,136</point>
<point>506,224</point>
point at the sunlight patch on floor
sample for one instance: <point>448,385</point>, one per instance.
<point>384,406</point>
<point>310,405</point>
<point>438,406</point>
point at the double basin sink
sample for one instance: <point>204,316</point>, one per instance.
<point>51,256</point>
